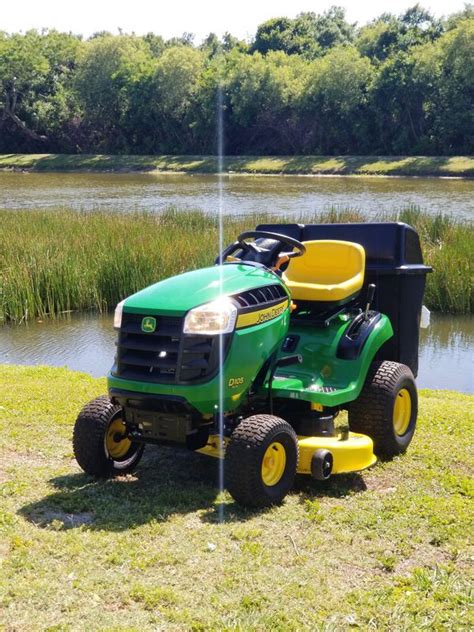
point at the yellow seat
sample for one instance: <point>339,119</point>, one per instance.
<point>329,271</point>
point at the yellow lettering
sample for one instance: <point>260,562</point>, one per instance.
<point>235,381</point>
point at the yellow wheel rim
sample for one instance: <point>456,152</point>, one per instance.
<point>117,449</point>
<point>402,412</point>
<point>273,464</point>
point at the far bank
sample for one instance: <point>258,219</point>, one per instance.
<point>435,166</point>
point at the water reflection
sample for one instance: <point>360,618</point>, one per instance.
<point>86,343</point>
<point>241,194</point>
<point>446,353</point>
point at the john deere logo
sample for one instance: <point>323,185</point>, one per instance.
<point>149,324</point>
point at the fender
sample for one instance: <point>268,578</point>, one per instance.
<point>379,332</point>
<point>354,338</point>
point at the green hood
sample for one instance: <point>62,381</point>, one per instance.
<point>178,294</point>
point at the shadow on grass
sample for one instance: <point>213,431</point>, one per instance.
<point>335,487</point>
<point>167,482</point>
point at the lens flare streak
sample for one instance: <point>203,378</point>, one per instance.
<point>220,191</point>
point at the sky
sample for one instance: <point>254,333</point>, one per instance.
<point>173,17</point>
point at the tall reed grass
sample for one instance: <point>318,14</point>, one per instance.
<point>56,261</point>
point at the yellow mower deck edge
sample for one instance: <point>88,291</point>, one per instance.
<point>350,455</point>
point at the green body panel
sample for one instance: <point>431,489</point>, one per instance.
<point>178,294</point>
<point>251,346</point>
<point>322,368</point>
<point>249,349</point>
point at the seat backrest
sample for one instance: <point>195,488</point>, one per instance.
<point>327,262</point>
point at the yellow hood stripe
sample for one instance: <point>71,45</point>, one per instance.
<point>262,315</point>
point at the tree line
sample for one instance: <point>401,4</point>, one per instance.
<point>315,84</point>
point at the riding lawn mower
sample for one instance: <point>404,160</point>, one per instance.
<point>252,359</point>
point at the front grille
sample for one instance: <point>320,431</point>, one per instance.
<point>199,357</point>
<point>165,355</point>
<point>261,296</point>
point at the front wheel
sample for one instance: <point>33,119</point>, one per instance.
<point>100,444</point>
<point>261,459</point>
<point>387,408</point>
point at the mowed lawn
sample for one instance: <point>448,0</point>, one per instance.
<point>384,550</point>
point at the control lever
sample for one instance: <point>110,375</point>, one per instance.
<point>370,298</point>
<point>288,360</point>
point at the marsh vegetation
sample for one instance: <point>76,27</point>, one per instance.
<point>57,261</point>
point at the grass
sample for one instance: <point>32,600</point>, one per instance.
<point>55,261</point>
<point>384,550</point>
<point>460,166</point>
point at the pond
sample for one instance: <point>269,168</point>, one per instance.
<point>87,343</point>
<point>241,194</point>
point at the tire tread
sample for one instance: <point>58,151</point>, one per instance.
<point>243,457</point>
<point>371,413</point>
<point>88,438</point>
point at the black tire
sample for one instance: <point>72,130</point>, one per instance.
<point>245,452</point>
<point>373,412</point>
<point>90,445</point>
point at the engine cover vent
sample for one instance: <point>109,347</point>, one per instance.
<point>260,296</point>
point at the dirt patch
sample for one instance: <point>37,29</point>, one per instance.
<point>353,576</point>
<point>50,517</point>
<point>382,482</point>
<point>423,556</point>
<point>23,459</point>
<point>4,550</point>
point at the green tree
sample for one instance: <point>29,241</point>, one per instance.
<point>401,84</point>
<point>155,43</point>
<point>455,113</point>
<point>211,45</point>
<point>308,34</point>
<point>380,39</point>
<point>452,21</point>
<point>229,42</point>
<point>418,26</point>
<point>35,84</point>
<point>186,39</point>
<point>405,100</point>
<point>108,73</point>
<point>274,34</point>
<point>23,70</point>
<point>163,106</point>
<point>262,94</point>
<point>334,102</point>
<point>331,28</point>
<point>389,35</point>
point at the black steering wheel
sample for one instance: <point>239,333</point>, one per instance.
<point>266,252</point>
<point>282,239</point>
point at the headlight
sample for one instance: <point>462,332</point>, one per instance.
<point>217,317</point>
<point>118,315</point>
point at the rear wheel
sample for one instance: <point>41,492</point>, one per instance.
<point>261,460</point>
<point>387,408</point>
<point>100,444</point>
